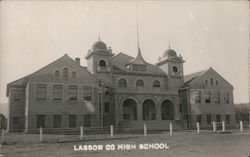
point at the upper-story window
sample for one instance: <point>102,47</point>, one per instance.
<point>122,82</point>
<point>57,73</point>
<point>175,69</point>
<point>226,97</point>
<point>207,97</point>
<point>57,92</point>
<point>65,72</point>
<point>139,83</point>
<point>216,97</point>
<point>197,97</point>
<point>102,63</point>
<point>73,92</point>
<point>206,82</point>
<point>138,67</point>
<point>73,74</point>
<point>216,82</point>
<point>156,83</point>
<point>87,93</point>
<point>17,97</point>
<point>211,81</point>
<point>41,91</point>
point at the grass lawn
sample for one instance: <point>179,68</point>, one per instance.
<point>181,144</point>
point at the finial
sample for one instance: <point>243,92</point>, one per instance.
<point>169,46</point>
<point>99,37</point>
<point>137,25</point>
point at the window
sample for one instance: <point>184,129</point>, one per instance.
<point>175,69</point>
<point>156,83</point>
<point>17,97</point>
<point>198,118</point>
<point>209,117</point>
<point>216,82</point>
<point>57,121</point>
<point>227,119</point>
<point>65,72</point>
<point>217,97</point>
<point>211,81</point>
<point>122,82</point>
<point>106,91</point>
<point>137,67</point>
<point>102,63</point>
<point>106,107</point>
<point>197,97</point>
<point>87,93</point>
<point>41,91</point>
<point>126,116</point>
<point>139,83</point>
<point>73,92</point>
<point>207,97</point>
<point>218,118</point>
<point>16,120</point>
<point>40,121</point>
<point>226,97</point>
<point>57,74</point>
<point>87,121</point>
<point>72,121</point>
<point>73,74</point>
<point>206,82</point>
<point>57,92</point>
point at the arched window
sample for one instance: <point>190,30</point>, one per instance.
<point>206,82</point>
<point>65,72</point>
<point>175,69</point>
<point>122,82</point>
<point>216,82</point>
<point>156,83</point>
<point>57,74</point>
<point>211,81</point>
<point>139,83</point>
<point>73,74</point>
<point>102,63</point>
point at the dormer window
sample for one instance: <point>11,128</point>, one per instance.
<point>57,74</point>
<point>139,83</point>
<point>138,67</point>
<point>65,72</point>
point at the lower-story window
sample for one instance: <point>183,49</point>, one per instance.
<point>57,121</point>
<point>72,121</point>
<point>87,121</point>
<point>40,121</point>
<point>218,118</point>
<point>209,118</point>
<point>227,119</point>
<point>16,120</point>
<point>198,118</point>
<point>126,116</point>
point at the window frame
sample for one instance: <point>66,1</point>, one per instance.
<point>125,82</point>
<point>41,95</point>
<point>207,101</point>
<point>87,96</point>
<point>141,83</point>
<point>71,96</point>
<point>65,73</point>
<point>158,85</point>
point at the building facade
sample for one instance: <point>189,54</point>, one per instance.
<point>112,89</point>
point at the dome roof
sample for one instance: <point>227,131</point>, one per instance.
<point>169,53</point>
<point>99,45</point>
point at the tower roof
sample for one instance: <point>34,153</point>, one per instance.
<point>169,53</point>
<point>99,45</point>
<point>139,59</point>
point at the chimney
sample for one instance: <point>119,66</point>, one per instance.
<point>78,60</point>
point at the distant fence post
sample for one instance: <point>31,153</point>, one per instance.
<point>41,134</point>
<point>3,140</point>
<point>81,132</point>
<point>223,126</point>
<point>198,127</point>
<point>241,126</point>
<point>170,129</point>
<point>111,131</point>
<point>214,127</point>
<point>145,129</point>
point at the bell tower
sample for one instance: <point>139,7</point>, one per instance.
<point>172,65</point>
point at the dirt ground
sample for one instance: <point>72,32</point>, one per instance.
<point>181,144</point>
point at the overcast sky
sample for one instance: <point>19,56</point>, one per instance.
<point>206,34</point>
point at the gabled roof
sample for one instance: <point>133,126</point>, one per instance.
<point>23,81</point>
<point>189,79</point>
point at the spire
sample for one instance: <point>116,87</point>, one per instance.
<point>169,46</point>
<point>99,36</point>
<point>137,26</point>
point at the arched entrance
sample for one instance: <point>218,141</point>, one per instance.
<point>167,110</point>
<point>129,109</point>
<point>148,110</point>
